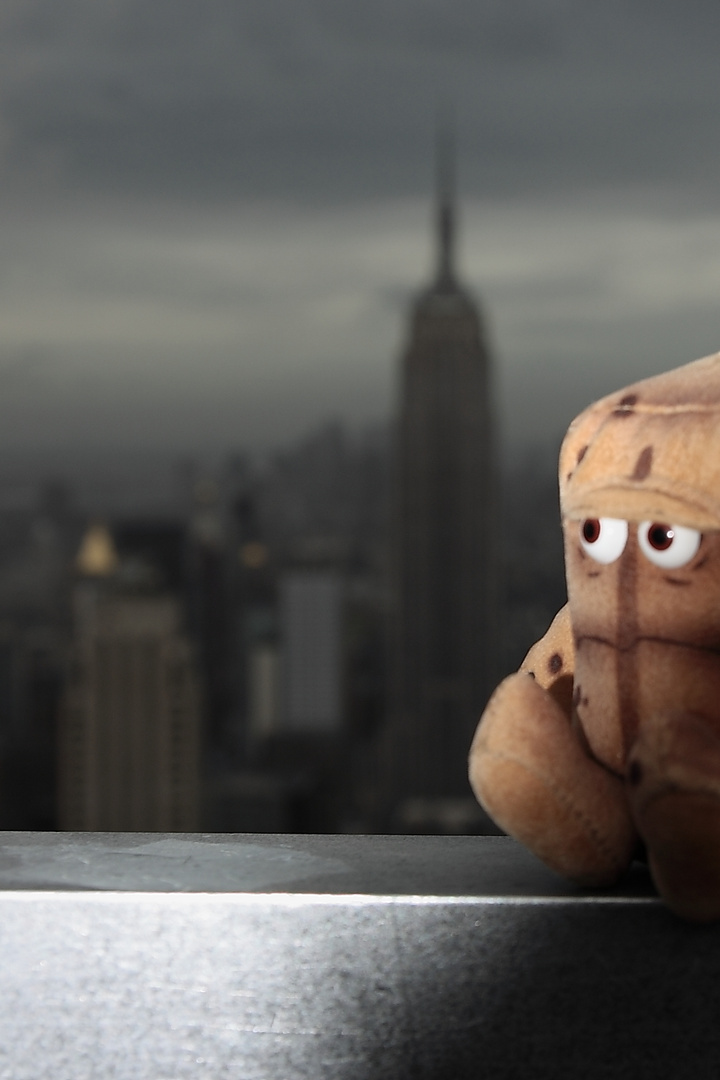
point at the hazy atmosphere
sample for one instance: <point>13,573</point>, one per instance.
<point>214,214</point>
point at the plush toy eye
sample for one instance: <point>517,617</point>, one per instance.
<point>604,538</point>
<point>668,546</point>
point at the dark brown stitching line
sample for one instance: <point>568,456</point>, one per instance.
<point>645,637</point>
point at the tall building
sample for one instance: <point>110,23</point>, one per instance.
<point>130,726</point>
<point>311,628</point>
<point>445,529</point>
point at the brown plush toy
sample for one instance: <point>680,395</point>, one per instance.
<point>609,735</point>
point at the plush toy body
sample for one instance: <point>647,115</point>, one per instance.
<point>609,735</point>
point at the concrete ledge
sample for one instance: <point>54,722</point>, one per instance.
<point>165,957</point>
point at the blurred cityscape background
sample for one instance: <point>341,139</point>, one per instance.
<point>281,397</point>
<point>297,640</point>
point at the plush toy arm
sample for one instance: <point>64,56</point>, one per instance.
<point>551,660</point>
<point>531,772</point>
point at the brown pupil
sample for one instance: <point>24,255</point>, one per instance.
<point>591,530</point>
<point>660,536</point>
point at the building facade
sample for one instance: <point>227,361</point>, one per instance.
<point>129,753</point>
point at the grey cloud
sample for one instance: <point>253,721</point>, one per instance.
<point>210,208</point>
<point>493,29</point>
<point>335,99</point>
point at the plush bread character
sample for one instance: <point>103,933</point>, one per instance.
<point>609,735</point>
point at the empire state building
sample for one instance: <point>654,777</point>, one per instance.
<point>445,531</point>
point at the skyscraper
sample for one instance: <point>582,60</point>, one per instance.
<point>130,726</point>
<point>445,529</point>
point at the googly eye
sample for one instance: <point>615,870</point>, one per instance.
<point>604,538</point>
<point>668,546</point>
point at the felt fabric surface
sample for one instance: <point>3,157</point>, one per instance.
<point>650,451</point>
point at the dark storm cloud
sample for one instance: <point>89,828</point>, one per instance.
<point>205,205</point>
<point>329,98</point>
<point>221,95</point>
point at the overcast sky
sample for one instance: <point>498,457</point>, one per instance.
<point>214,212</point>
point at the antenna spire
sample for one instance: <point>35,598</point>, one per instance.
<point>445,196</point>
